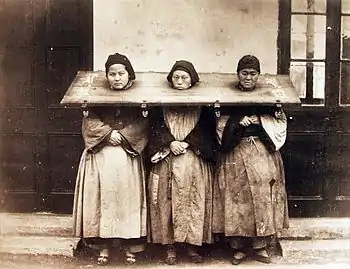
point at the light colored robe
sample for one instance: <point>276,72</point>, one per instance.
<point>110,200</point>
<point>249,193</point>
<point>180,188</point>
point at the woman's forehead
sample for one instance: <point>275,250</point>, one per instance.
<point>117,68</point>
<point>249,70</point>
<point>180,73</point>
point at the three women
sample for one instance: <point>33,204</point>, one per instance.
<point>182,148</point>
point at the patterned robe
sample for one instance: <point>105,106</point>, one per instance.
<point>110,196</point>
<point>250,195</point>
<point>180,187</point>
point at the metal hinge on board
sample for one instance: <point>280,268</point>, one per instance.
<point>217,108</point>
<point>85,110</point>
<point>278,111</point>
<point>144,109</point>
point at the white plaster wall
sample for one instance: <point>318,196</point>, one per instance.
<point>213,34</point>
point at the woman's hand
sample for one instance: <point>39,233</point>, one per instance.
<point>115,138</point>
<point>279,114</point>
<point>177,147</point>
<point>254,119</point>
<point>245,121</point>
<point>184,145</point>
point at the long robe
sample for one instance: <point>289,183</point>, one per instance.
<point>110,200</point>
<point>250,196</point>
<point>180,187</point>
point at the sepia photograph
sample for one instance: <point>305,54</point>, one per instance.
<point>175,134</point>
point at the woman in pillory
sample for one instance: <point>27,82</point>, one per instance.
<point>109,202</point>
<point>181,144</point>
<point>250,173</point>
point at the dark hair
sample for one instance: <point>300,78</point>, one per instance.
<point>248,61</point>
<point>120,59</point>
<point>184,66</point>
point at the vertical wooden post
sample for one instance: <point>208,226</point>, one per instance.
<point>333,53</point>
<point>283,38</point>
<point>310,50</point>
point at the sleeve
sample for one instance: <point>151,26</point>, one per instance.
<point>159,134</point>
<point>232,134</point>
<point>135,135</point>
<point>94,130</point>
<point>275,128</point>
<point>202,139</point>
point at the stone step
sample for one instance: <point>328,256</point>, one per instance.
<point>308,248</point>
<point>42,224</point>
<point>317,228</point>
<point>46,224</point>
<point>47,245</point>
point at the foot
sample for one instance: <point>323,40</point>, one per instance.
<point>194,255</point>
<point>130,257</point>
<point>170,260</point>
<point>196,258</point>
<point>171,255</point>
<point>261,255</point>
<point>238,257</point>
<point>103,258</point>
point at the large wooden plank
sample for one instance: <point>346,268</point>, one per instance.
<point>152,88</point>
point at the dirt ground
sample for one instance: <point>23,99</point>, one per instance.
<point>218,258</point>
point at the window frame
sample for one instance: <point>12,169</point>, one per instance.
<point>332,60</point>
<point>342,15</point>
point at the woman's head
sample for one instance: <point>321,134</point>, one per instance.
<point>183,75</point>
<point>248,71</point>
<point>119,71</point>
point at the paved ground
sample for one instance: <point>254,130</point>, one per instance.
<point>219,259</point>
<point>37,262</point>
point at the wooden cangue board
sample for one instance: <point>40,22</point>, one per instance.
<point>91,88</point>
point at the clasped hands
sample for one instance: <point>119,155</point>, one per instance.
<point>246,121</point>
<point>178,147</point>
<point>116,138</point>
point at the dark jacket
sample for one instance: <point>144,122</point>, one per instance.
<point>234,132</point>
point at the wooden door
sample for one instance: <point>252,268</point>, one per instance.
<point>44,43</point>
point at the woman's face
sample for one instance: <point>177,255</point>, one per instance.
<point>248,78</point>
<point>181,80</point>
<point>117,76</point>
